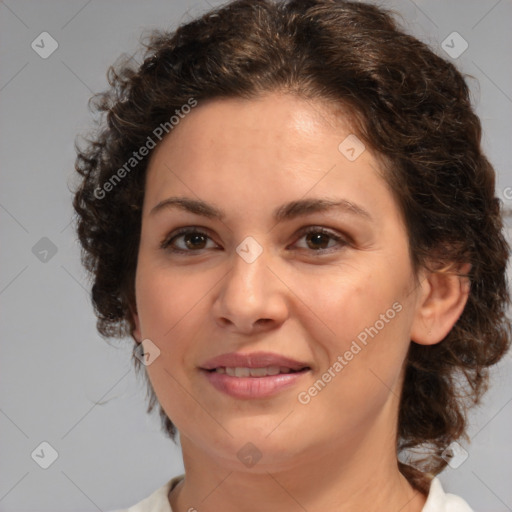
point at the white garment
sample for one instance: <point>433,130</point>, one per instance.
<point>437,500</point>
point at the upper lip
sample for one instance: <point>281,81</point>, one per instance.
<point>253,360</point>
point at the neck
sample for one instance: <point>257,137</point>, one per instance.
<point>366,478</point>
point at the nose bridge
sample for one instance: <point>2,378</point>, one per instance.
<point>250,292</point>
<point>249,271</point>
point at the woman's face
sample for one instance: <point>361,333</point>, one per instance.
<point>280,273</point>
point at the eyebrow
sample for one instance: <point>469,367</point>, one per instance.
<point>284,212</point>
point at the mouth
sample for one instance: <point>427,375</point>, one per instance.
<point>265,371</point>
<point>255,375</point>
<point>244,383</point>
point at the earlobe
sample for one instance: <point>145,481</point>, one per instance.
<point>441,302</point>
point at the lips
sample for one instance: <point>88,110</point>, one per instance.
<point>260,375</point>
<point>253,372</point>
<point>242,362</point>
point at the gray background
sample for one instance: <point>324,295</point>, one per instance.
<point>60,381</point>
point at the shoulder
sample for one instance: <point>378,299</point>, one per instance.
<point>158,501</point>
<point>439,501</point>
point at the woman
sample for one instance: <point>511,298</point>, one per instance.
<point>288,209</point>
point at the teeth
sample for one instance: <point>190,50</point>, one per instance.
<point>253,372</point>
<point>273,370</point>
<point>258,372</point>
<point>241,372</point>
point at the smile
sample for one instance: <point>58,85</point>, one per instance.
<point>254,372</point>
<point>253,383</point>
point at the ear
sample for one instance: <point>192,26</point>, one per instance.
<point>442,298</point>
<point>136,333</point>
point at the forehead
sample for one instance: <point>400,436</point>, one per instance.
<point>281,124</point>
<point>272,149</point>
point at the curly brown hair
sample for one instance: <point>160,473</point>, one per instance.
<point>407,104</point>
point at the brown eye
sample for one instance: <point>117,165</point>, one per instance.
<point>186,240</point>
<point>318,240</point>
<point>195,240</point>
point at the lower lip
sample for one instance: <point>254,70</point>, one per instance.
<point>253,387</point>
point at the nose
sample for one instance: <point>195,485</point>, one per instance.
<point>252,298</point>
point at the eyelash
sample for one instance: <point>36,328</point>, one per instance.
<point>166,243</point>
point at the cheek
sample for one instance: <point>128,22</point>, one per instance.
<point>345,301</point>
<point>362,317</point>
<point>171,322</point>
<point>164,298</point>
<point>371,323</point>
<point>168,306</point>
<point>173,307</point>
<point>361,363</point>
